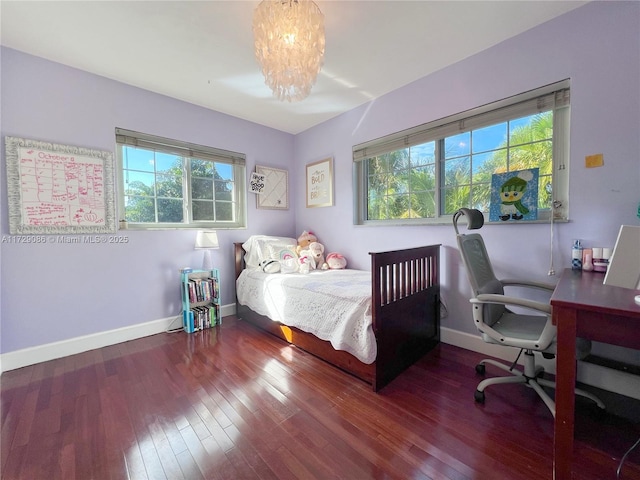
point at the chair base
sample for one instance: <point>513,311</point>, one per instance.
<point>530,376</point>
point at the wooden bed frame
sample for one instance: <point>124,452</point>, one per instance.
<point>406,315</point>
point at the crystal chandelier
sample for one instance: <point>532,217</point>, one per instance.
<point>289,45</point>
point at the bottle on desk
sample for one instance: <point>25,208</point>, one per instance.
<point>587,259</point>
<point>576,255</point>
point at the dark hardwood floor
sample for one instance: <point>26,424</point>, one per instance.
<point>235,403</point>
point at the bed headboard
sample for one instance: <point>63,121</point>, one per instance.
<point>239,258</point>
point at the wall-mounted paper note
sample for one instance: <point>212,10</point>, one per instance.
<point>257,182</point>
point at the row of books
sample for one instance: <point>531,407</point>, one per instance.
<point>203,317</point>
<point>203,289</point>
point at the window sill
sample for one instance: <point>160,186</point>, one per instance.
<point>448,221</point>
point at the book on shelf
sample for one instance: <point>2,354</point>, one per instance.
<point>192,291</point>
<point>196,319</point>
<point>199,295</point>
<point>206,290</point>
<point>213,283</point>
<point>212,317</point>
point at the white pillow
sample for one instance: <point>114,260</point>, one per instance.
<point>280,259</point>
<point>286,257</point>
<point>257,248</point>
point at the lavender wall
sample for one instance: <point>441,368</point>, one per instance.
<point>598,47</point>
<point>54,292</point>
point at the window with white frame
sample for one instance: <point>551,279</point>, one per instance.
<point>425,174</point>
<point>167,183</point>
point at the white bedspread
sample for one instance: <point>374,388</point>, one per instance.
<point>334,305</point>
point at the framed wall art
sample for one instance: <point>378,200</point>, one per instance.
<point>514,196</point>
<point>320,183</point>
<point>59,189</point>
<point>275,192</point>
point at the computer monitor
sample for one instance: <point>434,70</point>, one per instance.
<point>624,264</point>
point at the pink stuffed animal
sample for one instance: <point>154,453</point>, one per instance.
<point>336,261</point>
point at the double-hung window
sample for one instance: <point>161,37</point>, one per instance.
<point>425,174</point>
<point>166,183</point>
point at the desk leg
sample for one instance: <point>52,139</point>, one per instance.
<point>565,320</point>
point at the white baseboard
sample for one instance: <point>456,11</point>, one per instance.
<point>72,346</point>
<point>588,373</point>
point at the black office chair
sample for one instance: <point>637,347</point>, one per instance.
<point>497,324</point>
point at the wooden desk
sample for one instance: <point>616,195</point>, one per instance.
<point>584,307</point>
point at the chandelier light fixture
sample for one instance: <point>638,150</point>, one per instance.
<point>289,46</point>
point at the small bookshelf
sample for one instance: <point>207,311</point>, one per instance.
<point>200,299</point>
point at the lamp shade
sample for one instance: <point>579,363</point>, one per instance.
<point>207,239</point>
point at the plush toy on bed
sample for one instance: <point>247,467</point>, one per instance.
<point>317,251</point>
<point>305,240</point>
<point>306,263</point>
<point>335,261</point>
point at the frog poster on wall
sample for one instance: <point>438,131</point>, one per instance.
<point>514,196</point>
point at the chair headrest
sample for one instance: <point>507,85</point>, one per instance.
<point>475,218</point>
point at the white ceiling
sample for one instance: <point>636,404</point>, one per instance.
<point>201,51</point>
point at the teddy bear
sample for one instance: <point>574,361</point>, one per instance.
<point>336,261</point>
<point>305,240</point>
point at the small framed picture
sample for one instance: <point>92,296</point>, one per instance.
<point>320,183</point>
<point>273,193</point>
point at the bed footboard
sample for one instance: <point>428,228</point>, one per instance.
<point>406,308</point>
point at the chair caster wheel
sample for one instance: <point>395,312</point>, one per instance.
<point>479,396</point>
<point>480,368</point>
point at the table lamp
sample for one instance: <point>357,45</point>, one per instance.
<point>207,240</point>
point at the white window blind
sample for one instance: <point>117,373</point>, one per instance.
<point>551,97</point>
<point>184,149</point>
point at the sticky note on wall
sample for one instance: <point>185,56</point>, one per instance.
<point>591,161</point>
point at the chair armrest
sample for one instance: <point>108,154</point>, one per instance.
<point>546,336</point>
<point>506,300</point>
<point>528,283</point>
